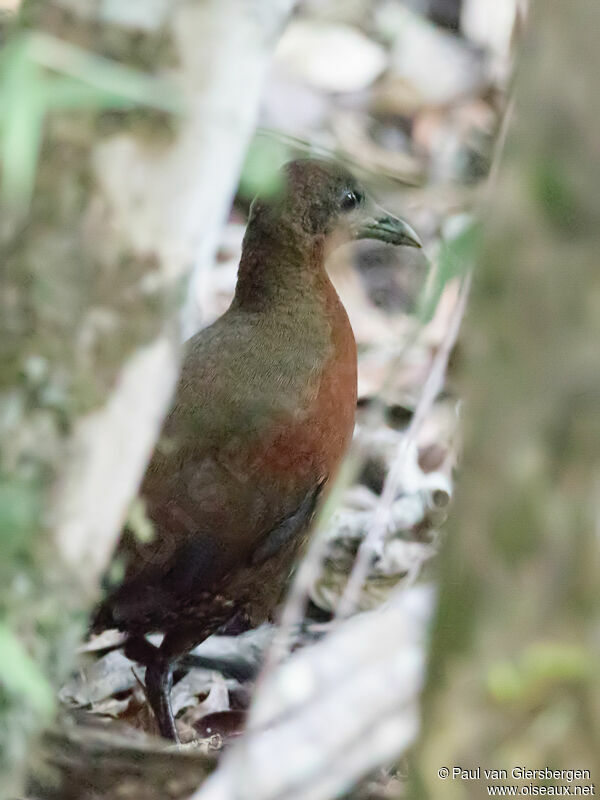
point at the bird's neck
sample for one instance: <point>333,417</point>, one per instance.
<point>279,269</point>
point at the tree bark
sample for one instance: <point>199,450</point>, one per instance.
<point>134,177</point>
<point>513,677</point>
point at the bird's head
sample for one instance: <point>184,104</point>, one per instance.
<point>322,199</point>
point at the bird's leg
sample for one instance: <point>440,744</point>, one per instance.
<point>159,681</point>
<point>159,663</point>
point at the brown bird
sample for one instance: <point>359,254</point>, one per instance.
<point>262,416</point>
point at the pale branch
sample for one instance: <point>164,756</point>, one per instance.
<point>96,265</point>
<point>334,710</point>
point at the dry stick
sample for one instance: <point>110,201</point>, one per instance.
<point>432,387</point>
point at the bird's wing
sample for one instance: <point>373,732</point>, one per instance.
<point>233,476</point>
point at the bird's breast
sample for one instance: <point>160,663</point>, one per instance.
<point>311,444</point>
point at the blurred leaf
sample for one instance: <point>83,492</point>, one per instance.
<point>457,256</point>
<point>553,192</point>
<point>139,522</point>
<point>504,682</point>
<point>19,674</point>
<point>557,661</point>
<point>116,572</point>
<point>105,79</point>
<point>20,120</point>
<point>19,514</point>
<point>68,93</point>
<point>39,73</point>
<point>540,667</point>
<point>261,171</point>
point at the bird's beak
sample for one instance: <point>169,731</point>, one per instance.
<point>386,228</point>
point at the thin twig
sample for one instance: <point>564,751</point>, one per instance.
<point>499,145</point>
<point>432,387</point>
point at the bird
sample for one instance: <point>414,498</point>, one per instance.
<point>262,416</point>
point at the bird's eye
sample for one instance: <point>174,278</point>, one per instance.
<point>350,200</point>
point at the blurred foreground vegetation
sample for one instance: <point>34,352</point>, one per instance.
<point>514,668</point>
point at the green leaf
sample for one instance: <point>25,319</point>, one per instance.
<point>103,77</point>
<point>554,192</point>
<point>69,93</point>
<point>39,73</point>
<point>539,668</point>
<point>504,682</point>
<point>457,256</point>
<point>19,514</point>
<point>139,522</point>
<point>21,675</point>
<point>22,114</point>
<point>261,171</point>
<point>558,661</point>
